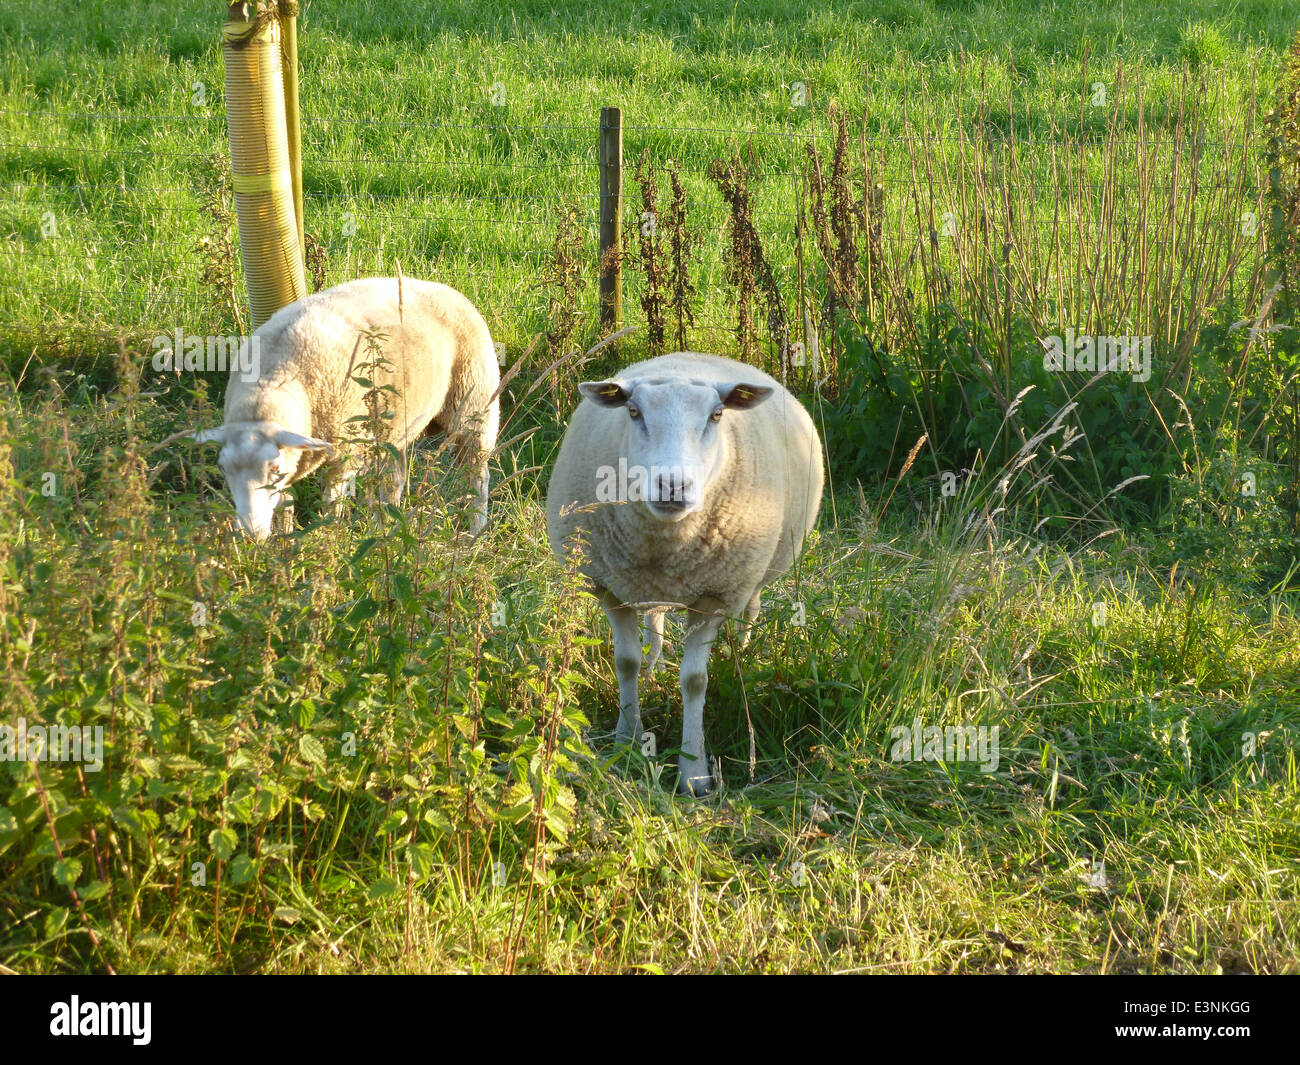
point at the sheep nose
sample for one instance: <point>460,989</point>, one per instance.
<point>672,487</point>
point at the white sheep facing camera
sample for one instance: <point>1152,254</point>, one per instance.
<point>693,481</point>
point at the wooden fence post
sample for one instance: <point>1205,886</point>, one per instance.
<point>611,218</point>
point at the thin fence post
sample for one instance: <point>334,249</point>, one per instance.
<point>611,218</point>
<point>292,116</point>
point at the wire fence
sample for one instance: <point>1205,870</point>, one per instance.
<point>103,218</point>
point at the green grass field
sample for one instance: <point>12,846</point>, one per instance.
<point>404,145</point>
<point>375,746</point>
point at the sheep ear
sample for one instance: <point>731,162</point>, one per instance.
<point>743,397</point>
<point>604,393</point>
<point>209,436</point>
<point>285,438</point>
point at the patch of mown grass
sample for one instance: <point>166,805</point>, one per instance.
<point>108,115</point>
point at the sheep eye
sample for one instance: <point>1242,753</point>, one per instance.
<point>717,414</point>
<point>632,412</point>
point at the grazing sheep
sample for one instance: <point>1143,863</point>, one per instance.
<point>292,416</point>
<point>693,480</point>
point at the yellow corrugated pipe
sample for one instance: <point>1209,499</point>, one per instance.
<point>260,164</point>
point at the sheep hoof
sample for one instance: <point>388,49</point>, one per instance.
<point>695,787</point>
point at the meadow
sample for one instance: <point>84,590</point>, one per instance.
<point>376,745</point>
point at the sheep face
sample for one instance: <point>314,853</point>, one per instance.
<point>673,441</point>
<point>256,459</point>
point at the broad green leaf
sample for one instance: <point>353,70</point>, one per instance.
<point>364,609</point>
<point>423,859</point>
<point>242,868</point>
<point>362,549</point>
<point>395,820</point>
<point>381,888</point>
<point>223,842</point>
<point>275,851</point>
<point>138,822</point>
<point>67,870</point>
<point>438,820</point>
<point>312,749</point>
<point>179,763</point>
<point>403,591</point>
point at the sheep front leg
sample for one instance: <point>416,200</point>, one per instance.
<point>340,484</point>
<point>627,664</point>
<point>282,518</point>
<point>693,776</point>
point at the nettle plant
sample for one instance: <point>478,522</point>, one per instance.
<point>279,721</point>
<point>1226,518</point>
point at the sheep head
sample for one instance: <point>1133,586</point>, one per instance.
<point>254,457</point>
<point>672,443</point>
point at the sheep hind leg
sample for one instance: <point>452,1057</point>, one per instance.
<point>394,484</point>
<point>654,625</point>
<point>627,666</point>
<point>340,484</point>
<point>473,463</point>
<point>478,522</point>
<point>473,441</point>
<point>693,775</point>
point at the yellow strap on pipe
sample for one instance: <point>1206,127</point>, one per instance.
<point>273,182</point>
<point>241,33</point>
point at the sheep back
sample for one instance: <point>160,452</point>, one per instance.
<point>441,355</point>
